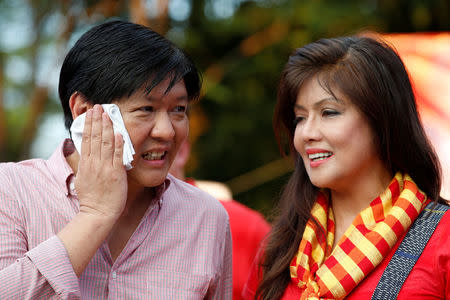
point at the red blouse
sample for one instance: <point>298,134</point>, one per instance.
<point>429,278</point>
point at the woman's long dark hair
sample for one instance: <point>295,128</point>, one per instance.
<point>373,77</point>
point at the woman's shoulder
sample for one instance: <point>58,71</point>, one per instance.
<point>441,234</point>
<point>430,275</point>
<point>442,231</point>
<point>442,228</point>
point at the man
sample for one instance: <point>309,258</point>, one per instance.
<point>79,225</point>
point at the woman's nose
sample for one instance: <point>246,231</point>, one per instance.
<point>311,130</point>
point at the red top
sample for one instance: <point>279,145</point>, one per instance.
<point>248,228</point>
<point>429,278</point>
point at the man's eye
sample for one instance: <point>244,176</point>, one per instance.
<point>180,108</point>
<point>147,109</point>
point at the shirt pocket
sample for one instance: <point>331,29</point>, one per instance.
<point>165,284</point>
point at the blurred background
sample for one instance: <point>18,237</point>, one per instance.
<point>240,47</point>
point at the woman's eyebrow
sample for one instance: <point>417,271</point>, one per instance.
<point>320,102</point>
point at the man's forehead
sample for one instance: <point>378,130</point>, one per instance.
<point>161,92</point>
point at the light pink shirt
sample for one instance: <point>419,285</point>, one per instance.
<point>180,250</point>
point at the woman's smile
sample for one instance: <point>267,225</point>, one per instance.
<point>318,156</point>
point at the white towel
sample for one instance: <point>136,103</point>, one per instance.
<point>114,114</point>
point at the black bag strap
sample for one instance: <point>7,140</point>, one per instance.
<point>409,252</point>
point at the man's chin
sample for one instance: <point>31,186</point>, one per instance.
<point>147,180</point>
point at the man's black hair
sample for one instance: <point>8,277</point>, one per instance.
<point>116,59</point>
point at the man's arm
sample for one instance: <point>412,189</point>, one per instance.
<point>224,286</point>
<point>30,274</point>
<point>49,268</point>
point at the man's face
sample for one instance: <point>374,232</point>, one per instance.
<point>157,124</point>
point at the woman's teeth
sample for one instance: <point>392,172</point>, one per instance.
<point>319,156</point>
<point>153,155</point>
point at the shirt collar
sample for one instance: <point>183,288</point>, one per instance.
<point>161,189</point>
<point>58,165</point>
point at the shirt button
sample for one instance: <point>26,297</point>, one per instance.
<point>114,275</point>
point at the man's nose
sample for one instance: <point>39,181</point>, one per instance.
<point>163,127</point>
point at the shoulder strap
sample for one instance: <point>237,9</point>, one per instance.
<point>409,252</point>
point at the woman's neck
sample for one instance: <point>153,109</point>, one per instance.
<point>348,203</point>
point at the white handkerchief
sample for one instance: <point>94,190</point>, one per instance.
<point>114,114</point>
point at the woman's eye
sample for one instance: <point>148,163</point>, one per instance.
<point>298,119</point>
<point>330,112</point>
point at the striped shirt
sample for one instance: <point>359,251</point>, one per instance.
<point>180,250</point>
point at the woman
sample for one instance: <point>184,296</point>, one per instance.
<point>364,170</point>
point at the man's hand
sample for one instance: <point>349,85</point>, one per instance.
<point>101,181</point>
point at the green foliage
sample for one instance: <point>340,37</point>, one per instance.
<point>241,57</point>
<point>240,138</point>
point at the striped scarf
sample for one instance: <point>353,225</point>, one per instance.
<point>325,274</point>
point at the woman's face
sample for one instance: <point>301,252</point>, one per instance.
<point>334,139</point>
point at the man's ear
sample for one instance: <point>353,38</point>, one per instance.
<point>78,104</point>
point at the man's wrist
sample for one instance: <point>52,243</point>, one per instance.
<point>97,218</point>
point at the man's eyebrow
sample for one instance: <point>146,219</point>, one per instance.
<point>183,97</point>
<point>178,98</point>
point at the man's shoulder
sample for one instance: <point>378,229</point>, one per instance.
<point>24,167</point>
<point>185,195</point>
<point>22,173</point>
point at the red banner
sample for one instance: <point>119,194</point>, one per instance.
<point>427,58</point>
